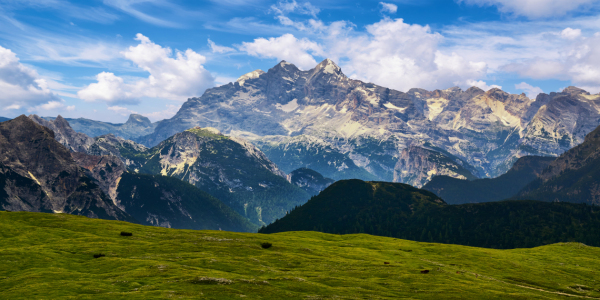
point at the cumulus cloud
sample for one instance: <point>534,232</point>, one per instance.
<point>533,8</point>
<point>483,85</point>
<point>530,90</point>
<point>219,49</point>
<point>401,56</point>
<point>388,7</point>
<point>286,47</point>
<point>390,53</point>
<point>171,76</point>
<point>570,33</point>
<point>21,86</point>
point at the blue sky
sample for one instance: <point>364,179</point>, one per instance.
<point>106,59</point>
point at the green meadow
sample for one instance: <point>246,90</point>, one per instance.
<point>51,256</point>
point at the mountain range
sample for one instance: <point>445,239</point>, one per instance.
<point>39,173</point>
<point>228,168</point>
<point>345,128</point>
<point>363,129</point>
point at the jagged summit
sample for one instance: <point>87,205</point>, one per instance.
<point>251,75</point>
<point>137,119</point>
<point>572,90</point>
<point>328,66</point>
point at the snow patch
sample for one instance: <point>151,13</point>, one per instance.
<point>435,107</point>
<point>392,106</point>
<point>288,107</point>
<point>251,75</point>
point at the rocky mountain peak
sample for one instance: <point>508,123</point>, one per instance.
<point>285,66</point>
<point>474,91</point>
<point>135,119</point>
<point>328,66</point>
<point>571,90</point>
<point>252,75</point>
<point>497,94</point>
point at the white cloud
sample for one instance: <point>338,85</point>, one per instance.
<point>570,33</point>
<point>388,7</point>
<point>132,7</point>
<point>286,47</point>
<point>171,76</point>
<point>483,85</point>
<point>167,113</point>
<point>400,56</point>
<point>123,111</point>
<point>534,8</point>
<point>21,86</point>
<point>219,49</point>
<point>282,8</point>
<point>531,91</point>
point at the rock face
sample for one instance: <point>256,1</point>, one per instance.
<point>309,180</point>
<point>106,170</point>
<point>313,153</point>
<point>230,169</point>
<point>64,134</point>
<point>40,174</point>
<point>505,186</point>
<point>572,177</point>
<point>136,125</point>
<point>416,166</point>
<point>283,108</point>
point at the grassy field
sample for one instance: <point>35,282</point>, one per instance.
<point>51,256</point>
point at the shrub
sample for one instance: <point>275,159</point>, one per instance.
<point>123,233</point>
<point>266,245</point>
<point>98,255</point>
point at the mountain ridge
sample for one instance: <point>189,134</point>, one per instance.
<point>372,124</point>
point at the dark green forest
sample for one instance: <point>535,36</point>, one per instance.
<point>402,211</point>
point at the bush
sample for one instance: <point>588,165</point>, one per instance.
<point>266,245</point>
<point>98,255</point>
<point>123,233</point>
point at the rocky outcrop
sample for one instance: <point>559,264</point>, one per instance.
<point>129,152</point>
<point>64,134</point>
<point>309,180</point>
<point>29,153</point>
<point>371,124</point>
<point>416,166</point>
<point>106,170</point>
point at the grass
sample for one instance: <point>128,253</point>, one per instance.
<point>51,256</point>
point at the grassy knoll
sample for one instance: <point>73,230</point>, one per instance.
<point>50,256</point>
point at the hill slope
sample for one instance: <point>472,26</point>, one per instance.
<point>572,177</point>
<point>457,191</point>
<point>41,252</point>
<point>402,211</point>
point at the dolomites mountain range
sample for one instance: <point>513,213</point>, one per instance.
<point>365,129</point>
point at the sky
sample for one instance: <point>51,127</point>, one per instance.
<point>106,59</point>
